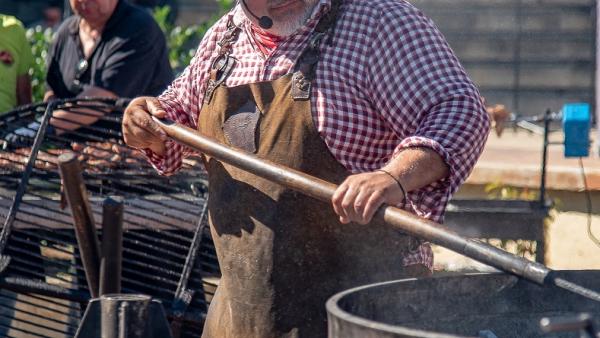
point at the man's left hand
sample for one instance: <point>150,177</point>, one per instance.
<point>359,196</point>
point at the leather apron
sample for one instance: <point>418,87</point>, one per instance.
<point>282,255</point>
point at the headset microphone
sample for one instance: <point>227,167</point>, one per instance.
<point>264,21</point>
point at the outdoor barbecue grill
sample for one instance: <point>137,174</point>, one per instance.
<point>43,287</point>
<point>477,305</point>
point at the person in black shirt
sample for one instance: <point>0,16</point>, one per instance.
<point>109,48</point>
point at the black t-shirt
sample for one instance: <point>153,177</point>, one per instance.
<point>131,58</point>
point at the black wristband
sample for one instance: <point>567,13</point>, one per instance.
<point>397,181</point>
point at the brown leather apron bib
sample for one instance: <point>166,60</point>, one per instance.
<point>281,254</point>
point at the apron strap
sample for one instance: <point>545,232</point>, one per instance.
<point>307,63</point>
<point>223,65</point>
<point>305,67</point>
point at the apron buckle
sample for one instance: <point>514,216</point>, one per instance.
<point>301,87</point>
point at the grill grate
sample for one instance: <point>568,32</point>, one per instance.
<point>160,219</point>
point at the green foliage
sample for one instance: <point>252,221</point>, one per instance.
<point>182,41</point>
<point>501,191</point>
<point>40,43</point>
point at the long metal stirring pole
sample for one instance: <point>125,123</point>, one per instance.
<point>400,219</point>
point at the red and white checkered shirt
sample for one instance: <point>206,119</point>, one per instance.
<point>387,81</point>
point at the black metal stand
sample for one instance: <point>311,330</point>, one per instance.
<point>124,316</point>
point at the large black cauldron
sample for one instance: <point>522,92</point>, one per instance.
<point>474,305</point>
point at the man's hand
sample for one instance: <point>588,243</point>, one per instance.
<point>139,130</point>
<point>359,196</point>
<point>499,115</point>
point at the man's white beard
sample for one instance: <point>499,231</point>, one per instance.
<point>289,24</point>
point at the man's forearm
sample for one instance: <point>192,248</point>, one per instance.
<point>49,95</point>
<point>64,120</point>
<point>416,168</point>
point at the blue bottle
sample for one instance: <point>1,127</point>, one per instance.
<point>576,126</point>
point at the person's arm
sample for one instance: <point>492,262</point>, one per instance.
<point>181,103</point>
<point>139,129</point>
<point>49,95</point>
<point>426,98</point>
<point>64,120</point>
<point>23,89</point>
<point>359,196</point>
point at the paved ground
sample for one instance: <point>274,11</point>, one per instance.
<point>514,159</point>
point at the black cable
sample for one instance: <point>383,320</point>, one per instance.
<point>588,199</point>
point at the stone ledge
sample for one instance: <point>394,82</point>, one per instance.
<point>515,160</point>
<point>528,176</point>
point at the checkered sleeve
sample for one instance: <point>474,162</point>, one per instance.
<point>416,76</point>
<point>182,103</point>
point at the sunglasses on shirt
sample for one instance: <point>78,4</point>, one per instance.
<point>80,69</point>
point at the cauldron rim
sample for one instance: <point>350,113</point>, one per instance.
<point>335,310</point>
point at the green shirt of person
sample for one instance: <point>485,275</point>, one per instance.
<point>15,62</point>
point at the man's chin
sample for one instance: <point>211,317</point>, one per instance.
<point>284,30</point>
<point>288,24</point>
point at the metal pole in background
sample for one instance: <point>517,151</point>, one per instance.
<point>83,219</point>
<point>517,57</point>
<point>545,158</point>
<point>597,82</point>
<point>112,245</point>
<point>21,189</point>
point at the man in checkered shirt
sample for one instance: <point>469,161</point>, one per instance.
<point>364,93</point>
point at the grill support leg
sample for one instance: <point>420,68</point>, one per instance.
<point>124,316</point>
<point>112,246</point>
<point>83,218</point>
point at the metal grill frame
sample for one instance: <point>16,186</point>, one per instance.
<point>190,250</point>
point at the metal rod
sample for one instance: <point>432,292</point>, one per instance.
<point>83,219</point>
<point>183,295</point>
<point>517,55</point>
<point>41,303</point>
<point>596,75</point>
<point>158,266</point>
<point>29,286</point>
<point>582,323</point>
<point>17,314</point>
<point>322,190</point>
<point>23,285</point>
<point>12,213</point>
<point>112,245</point>
<point>26,332</point>
<point>545,158</point>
